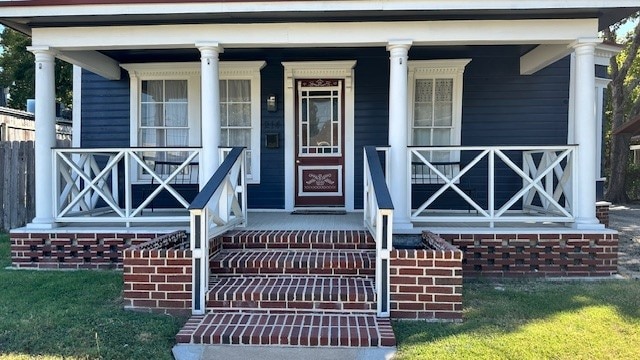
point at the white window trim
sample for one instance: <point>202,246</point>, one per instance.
<point>249,70</point>
<point>438,69</point>
<point>229,70</point>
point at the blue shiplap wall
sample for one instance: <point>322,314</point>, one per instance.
<point>500,107</point>
<point>105,111</point>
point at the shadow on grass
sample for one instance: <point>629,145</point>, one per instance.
<point>499,307</point>
<point>76,314</point>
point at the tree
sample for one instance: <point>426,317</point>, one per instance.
<point>625,105</point>
<point>17,71</point>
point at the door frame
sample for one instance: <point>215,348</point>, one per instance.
<point>325,70</point>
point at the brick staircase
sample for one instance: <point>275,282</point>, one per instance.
<point>307,288</point>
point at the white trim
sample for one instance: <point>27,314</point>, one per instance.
<point>93,61</point>
<point>338,34</point>
<point>601,85</point>
<point>76,117</point>
<point>604,53</point>
<point>318,69</point>
<point>541,57</point>
<point>438,69</point>
<point>330,167</point>
<point>229,70</point>
<point>306,6</point>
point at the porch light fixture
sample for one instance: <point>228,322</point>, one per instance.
<point>272,105</point>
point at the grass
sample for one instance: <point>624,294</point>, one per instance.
<point>533,319</point>
<point>75,315</point>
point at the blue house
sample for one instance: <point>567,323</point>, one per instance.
<point>478,121</point>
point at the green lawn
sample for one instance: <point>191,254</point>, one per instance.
<point>75,315</point>
<point>534,320</point>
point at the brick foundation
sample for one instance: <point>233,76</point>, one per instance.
<point>426,284</point>
<point>59,250</point>
<point>157,275</point>
<point>537,255</point>
<point>602,212</point>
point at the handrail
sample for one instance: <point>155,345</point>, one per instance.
<point>378,218</point>
<point>383,196</point>
<point>203,197</point>
<point>220,205</point>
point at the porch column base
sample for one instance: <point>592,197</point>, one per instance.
<point>401,225</point>
<point>587,224</point>
<point>42,224</point>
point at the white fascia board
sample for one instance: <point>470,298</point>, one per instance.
<point>306,6</point>
<point>461,32</point>
<point>541,57</point>
<point>92,61</point>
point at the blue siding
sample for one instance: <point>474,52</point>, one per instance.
<point>500,107</point>
<point>105,111</point>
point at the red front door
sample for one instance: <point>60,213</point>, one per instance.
<point>319,157</point>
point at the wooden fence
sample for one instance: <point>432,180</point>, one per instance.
<point>17,183</point>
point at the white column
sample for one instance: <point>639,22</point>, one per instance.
<point>45,136</point>
<point>210,129</point>
<point>399,177</point>
<point>585,135</point>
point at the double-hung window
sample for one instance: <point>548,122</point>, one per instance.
<point>435,112</point>
<point>165,110</point>
<point>240,111</point>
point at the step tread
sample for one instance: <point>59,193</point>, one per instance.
<point>361,330</point>
<point>303,262</point>
<point>298,239</point>
<point>321,294</point>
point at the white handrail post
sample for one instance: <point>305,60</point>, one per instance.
<point>198,233</point>
<point>127,183</point>
<point>492,186</point>
<point>243,186</point>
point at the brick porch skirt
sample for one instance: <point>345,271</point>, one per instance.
<point>538,255</point>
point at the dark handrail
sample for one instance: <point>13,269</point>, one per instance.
<point>383,197</point>
<point>216,180</point>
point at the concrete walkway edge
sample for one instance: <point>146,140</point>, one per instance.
<point>253,352</point>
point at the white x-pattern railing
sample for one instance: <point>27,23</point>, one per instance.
<point>87,183</point>
<point>546,194</point>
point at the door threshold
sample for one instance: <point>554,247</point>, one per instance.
<point>319,211</point>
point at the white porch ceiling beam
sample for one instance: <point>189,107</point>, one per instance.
<point>92,61</point>
<point>463,32</point>
<point>542,56</point>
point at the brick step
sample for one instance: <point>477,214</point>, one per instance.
<point>303,239</point>
<point>361,330</point>
<point>297,294</point>
<point>294,262</point>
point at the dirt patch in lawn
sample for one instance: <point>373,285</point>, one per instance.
<point>626,219</point>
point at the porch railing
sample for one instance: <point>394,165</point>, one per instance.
<point>97,185</point>
<point>220,206</point>
<point>492,184</point>
<point>378,218</point>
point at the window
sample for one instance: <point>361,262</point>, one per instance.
<point>164,113</point>
<point>435,113</point>
<point>165,109</point>
<point>240,110</point>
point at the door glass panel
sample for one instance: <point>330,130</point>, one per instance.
<point>320,121</point>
